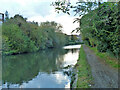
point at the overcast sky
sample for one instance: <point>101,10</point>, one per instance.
<point>39,11</point>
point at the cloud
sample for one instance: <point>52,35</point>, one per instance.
<point>65,20</point>
<point>39,11</point>
<point>25,6</point>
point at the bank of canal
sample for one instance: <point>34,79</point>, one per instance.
<point>83,77</point>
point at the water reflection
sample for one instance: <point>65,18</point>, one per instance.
<point>38,70</point>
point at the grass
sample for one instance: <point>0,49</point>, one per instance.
<point>112,61</point>
<point>84,72</point>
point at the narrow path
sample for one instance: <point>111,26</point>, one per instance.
<point>104,75</point>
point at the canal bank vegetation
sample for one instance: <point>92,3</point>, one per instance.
<point>21,36</point>
<point>84,79</point>
<point>74,40</point>
<point>100,30</point>
<point>111,60</point>
<point>99,24</point>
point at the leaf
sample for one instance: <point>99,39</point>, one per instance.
<point>68,13</point>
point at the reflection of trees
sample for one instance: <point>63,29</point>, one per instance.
<point>60,59</point>
<point>22,68</point>
<point>74,50</point>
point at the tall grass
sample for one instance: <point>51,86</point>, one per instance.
<point>109,59</point>
<point>84,72</point>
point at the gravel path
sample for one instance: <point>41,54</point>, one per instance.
<point>104,75</point>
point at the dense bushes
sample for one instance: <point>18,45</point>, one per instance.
<point>21,36</point>
<point>101,28</point>
<point>15,40</point>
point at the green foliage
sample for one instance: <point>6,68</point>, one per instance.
<point>108,58</point>
<point>80,8</point>
<point>100,23</point>
<point>14,39</point>
<point>100,28</point>
<point>20,36</point>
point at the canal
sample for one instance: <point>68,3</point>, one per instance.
<point>44,69</point>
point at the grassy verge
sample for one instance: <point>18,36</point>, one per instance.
<point>84,72</point>
<point>112,61</point>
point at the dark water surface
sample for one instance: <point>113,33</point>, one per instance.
<point>45,69</point>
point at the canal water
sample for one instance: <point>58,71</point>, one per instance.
<point>44,69</point>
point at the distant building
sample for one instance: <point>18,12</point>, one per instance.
<point>6,15</point>
<point>1,17</point>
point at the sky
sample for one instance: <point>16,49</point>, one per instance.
<point>39,11</point>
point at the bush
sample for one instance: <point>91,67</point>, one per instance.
<point>100,27</point>
<point>20,36</point>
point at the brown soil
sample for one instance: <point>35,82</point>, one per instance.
<point>104,76</point>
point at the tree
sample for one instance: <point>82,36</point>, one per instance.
<point>20,36</point>
<point>81,7</point>
<point>99,24</point>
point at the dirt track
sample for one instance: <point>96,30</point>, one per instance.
<point>104,75</point>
